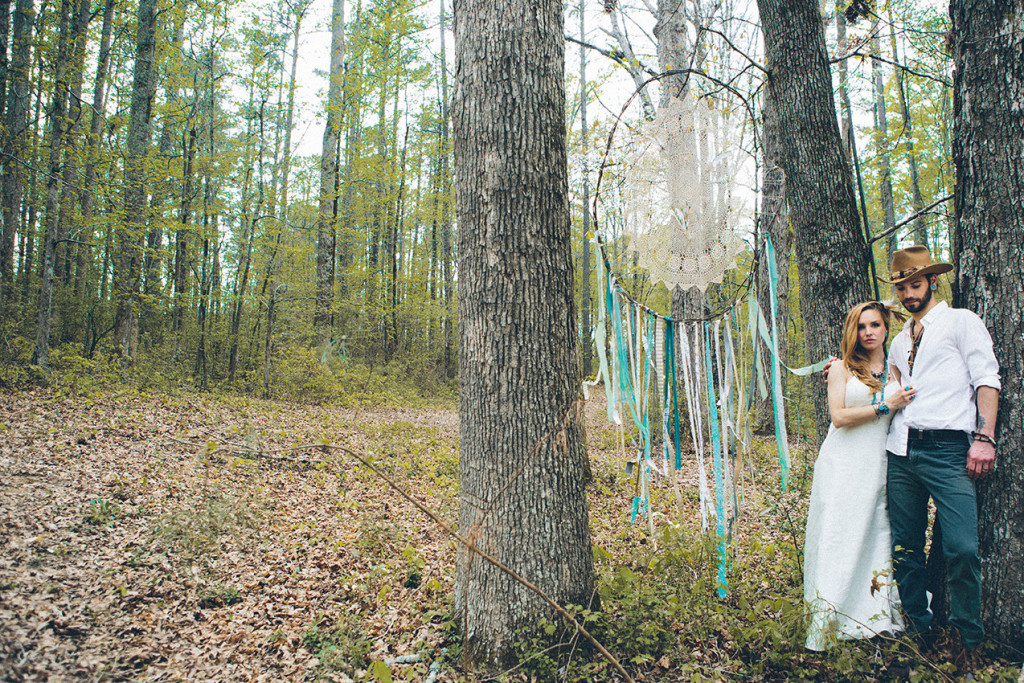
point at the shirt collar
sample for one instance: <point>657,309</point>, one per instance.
<point>934,314</point>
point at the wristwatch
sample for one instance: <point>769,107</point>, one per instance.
<point>882,409</point>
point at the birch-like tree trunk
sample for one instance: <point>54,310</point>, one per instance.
<point>326,222</point>
<point>882,142</point>
<point>988,155</point>
<point>522,463</point>
<point>585,202</point>
<point>832,255</point>
<point>920,227</point>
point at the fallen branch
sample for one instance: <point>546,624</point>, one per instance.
<point>470,545</point>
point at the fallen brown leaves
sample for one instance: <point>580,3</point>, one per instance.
<point>166,538</point>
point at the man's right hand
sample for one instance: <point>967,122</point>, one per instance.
<point>828,366</point>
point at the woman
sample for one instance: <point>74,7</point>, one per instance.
<point>846,548</point>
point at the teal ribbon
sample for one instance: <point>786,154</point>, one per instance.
<point>670,361</point>
<point>716,454</point>
<point>780,419</point>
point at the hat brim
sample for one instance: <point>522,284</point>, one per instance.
<point>934,269</point>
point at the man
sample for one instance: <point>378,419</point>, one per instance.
<point>939,444</point>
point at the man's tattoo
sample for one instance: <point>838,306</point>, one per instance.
<point>981,423</point>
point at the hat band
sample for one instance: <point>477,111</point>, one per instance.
<point>900,275</point>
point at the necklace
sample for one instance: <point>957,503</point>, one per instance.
<point>878,375</point>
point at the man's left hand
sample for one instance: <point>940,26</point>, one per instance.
<point>981,459</point>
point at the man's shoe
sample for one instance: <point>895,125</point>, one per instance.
<point>930,640</point>
<point>966,659</point>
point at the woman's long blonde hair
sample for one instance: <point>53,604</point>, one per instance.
<point>855,358</point>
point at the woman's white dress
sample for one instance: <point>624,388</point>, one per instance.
<point>846,548</point>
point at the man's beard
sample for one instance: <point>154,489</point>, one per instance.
<point>919,306</point>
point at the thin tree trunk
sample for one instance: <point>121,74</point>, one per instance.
<point>326,222</point>
<point>845,108</point>
<point>69,180</point>
<point>129,235</point>
<point>832,255</point>
<point>630,62</point>
<point>14,149</point>
<point>58,128</point>
<point>988,155</point>
<point>585,202</point>
<point>5,29</point>
<point>522,463</point>
<point>920,227</point>
<point>882,142</point>
<point>88,196</point>
<point>447,257</point>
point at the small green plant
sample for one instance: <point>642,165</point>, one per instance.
<point>342,646</point>
<point>218,595</point>
<point>101,512</point>
<point>413,567</point>
<point>194,533</point>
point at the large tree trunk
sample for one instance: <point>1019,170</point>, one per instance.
<point>130,233</point>
<point>832,256</point>
<point>326,223</point>
<point>988,154</point>
<point>522,463</point>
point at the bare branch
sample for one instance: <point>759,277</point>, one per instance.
<point>886,233</point>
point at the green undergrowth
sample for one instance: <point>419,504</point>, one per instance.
<point>300,374</point>
<point>663,618</point>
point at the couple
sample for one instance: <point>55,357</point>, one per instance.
<point>915,424</point>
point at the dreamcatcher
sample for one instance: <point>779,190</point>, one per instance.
<point>681,214</point>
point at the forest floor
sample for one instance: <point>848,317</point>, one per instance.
<point>170,537</point>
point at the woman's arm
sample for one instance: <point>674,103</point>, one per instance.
<point>841,415</point>
<point>851,417</point>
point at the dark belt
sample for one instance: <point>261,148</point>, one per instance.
<point>935,434</point>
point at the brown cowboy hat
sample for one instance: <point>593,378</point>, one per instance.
<point>913,261</point>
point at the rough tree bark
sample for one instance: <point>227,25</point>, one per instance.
<point>988,155</point>
<point>832,256</point>
<point>522,462</point>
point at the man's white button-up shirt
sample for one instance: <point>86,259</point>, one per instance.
<point>954,359</point>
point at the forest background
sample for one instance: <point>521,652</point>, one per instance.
<point>166,224</point>
<point>205,242</point>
